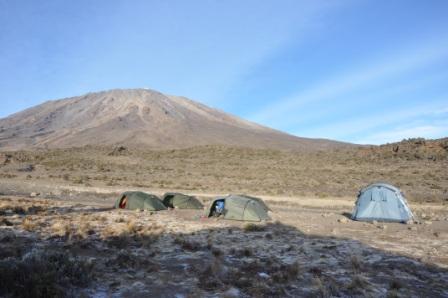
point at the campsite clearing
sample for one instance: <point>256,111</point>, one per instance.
<point>307,250</point>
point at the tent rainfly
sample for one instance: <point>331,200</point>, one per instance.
<point>381,202</point>
<point>239,207</point>
<point>181,201</point>
<point>139,200</point>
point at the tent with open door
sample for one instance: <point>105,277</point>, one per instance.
<point>381,202</point>
<point>238,207</point>
<point>139,200</point>
<point>181,201</point>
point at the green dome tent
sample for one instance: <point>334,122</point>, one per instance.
<point>260,201</point>
<point>240,207</point>
<point>139,200</point>
<point>381,202</point>
<point>181,201</point>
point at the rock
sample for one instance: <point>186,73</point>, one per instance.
<point>5,222</point>
<point>140,275</point>
<point>57,193</point>
<point>27,168</point>
<point>232,293</point>
<point>121,150</point>
<point>436,234</point>
<point>34,194</point>
<point>412,228</point>
<point>427,222</point>
<point>263,275</point>
<point>375,222</point>
<point>343,220</point>
<point>382,227</point>
<point>138,285</point>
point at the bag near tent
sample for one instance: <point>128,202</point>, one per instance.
<point>133,200</point>
<point>238,207</point>
<point>181,201</point>
<point>381,202</point>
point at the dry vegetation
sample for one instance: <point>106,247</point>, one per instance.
<point>53,246</point>
<point>53,249</point>
<point>417,166</point>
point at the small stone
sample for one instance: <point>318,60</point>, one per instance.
<point>34,194</point>
<point>382,227</point>
<point>343,220</point>
<point>138,284</point>
<point>428,222</point>
<point>232,293</point>
<point>412,228</point>
<point>436,234</point>
<point>263,275</point>
<point>5,222</point>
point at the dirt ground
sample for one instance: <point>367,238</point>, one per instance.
<point>309,249</point>
<point>60,237</point>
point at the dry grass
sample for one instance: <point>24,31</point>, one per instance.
<point>61,229</point>
<point>203,258</point>
<point>355,263</point>
<point>29,224</point>
<point>252,227</point>
<point>263,172</point>
<point>358,284</point>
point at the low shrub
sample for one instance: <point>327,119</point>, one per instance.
<point>43,274</point>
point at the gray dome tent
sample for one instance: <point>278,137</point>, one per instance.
<point>240,207</point>
<point>381,202</point>
<point>181,201</point>
<point>139,200</point>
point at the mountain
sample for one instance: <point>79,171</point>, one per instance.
<point>139,117</point>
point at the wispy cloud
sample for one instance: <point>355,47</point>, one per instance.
<point>350,129</point>
<point>283,112</point>
<point>394,135</point>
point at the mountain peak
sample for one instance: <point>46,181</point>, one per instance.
<point>139,117</point>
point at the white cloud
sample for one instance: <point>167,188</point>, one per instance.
<point>395,135</point>
<point>345,129</point>
<point>285,110</point>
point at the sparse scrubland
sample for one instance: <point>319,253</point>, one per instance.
<point>60,237</point>
<point>417,166</point>
<point>76,250</point>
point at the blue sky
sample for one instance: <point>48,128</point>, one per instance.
<point>355,70</point>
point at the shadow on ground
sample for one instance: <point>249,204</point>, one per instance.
<point>139,254</point>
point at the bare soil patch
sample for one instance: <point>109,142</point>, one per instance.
<point>305,251</point>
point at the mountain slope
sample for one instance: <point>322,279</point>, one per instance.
<point>139,117</point>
